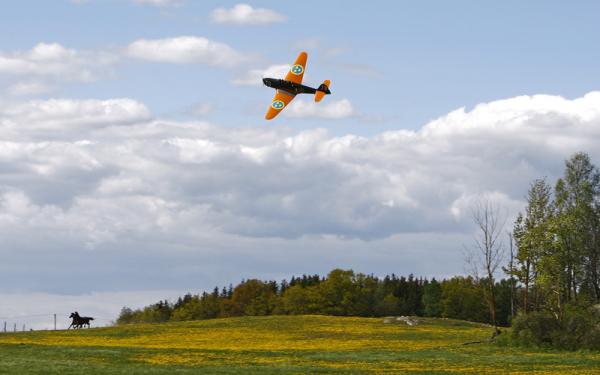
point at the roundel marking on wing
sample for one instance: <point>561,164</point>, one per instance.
<point>277,104</point>
<point>297,69</point>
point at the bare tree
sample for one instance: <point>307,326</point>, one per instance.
<point>488,252</point>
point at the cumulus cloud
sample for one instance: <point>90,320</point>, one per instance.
<point>185,50</point>
<point>43,117</point>
<point>254,77</point>
<point>48,65</point>
<point>57,61</point>
<point>244,14</point>
<point>334,109</point>
<point>267,182</point>
<point>102,180</point>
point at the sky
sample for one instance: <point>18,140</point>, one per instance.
<point>136,164</point>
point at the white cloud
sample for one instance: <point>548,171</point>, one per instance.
<point>185,50</point>
<point>90,183</point>
<point>334,109</point>
<point>244,14</point>
<point>254,77</point>
<point>57,61</point>
<point>41,118</point>
<point>256,182</point>
<point>29,88</point>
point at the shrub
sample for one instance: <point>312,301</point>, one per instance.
<point>579,328</point>
<point>535,328</point>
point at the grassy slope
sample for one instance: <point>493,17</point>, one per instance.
<point>290,344</point>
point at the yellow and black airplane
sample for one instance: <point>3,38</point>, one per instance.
<point>288,88</point>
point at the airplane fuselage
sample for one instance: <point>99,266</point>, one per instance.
<point>290,87</point>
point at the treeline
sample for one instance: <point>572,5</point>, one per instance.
<point>341,293</point>
<point>558,259</point>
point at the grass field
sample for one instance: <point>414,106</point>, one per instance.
<point>281,344</point>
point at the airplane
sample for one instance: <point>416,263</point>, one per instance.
<point>288,88</point>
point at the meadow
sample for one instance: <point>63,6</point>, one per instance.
<point>282,344</point>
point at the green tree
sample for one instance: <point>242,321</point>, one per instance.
<point>534,241</point>
<point>253,297</point>
<point>365,303</point>
<point>126,316</point>
<point>298,300</point>
<point>432,299</point>
<point>388,305</point>
<point>577,195</point>
<point>503,301</point>
<point>338,293</point>
<point>463,298</point>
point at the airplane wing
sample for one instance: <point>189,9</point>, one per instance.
<point>280,101</point>
<point>297,70</point>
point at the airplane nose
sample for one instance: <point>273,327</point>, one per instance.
<point>266,82</point>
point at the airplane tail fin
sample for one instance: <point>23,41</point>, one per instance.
<point>322,90</point>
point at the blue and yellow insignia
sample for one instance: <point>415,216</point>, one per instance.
<point>277,104</point>
<point>297,69</point>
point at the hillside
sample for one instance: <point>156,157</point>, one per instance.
<point>276,344</point>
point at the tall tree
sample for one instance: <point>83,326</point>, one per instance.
<point>432,299</point>
<point>524,259</point>
<point>538,239</point>
<point>577,196</point>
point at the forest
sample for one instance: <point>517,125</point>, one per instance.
<point>340,293</point>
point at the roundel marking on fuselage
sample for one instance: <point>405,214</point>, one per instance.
<point>277,104</point>
<point>297,69</point>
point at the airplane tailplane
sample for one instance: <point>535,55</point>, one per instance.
<point>322,90</point>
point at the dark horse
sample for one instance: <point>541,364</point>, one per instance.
<point>79,321</point>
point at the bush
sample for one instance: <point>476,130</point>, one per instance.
<point>579,328</point>
<point>536,328</point>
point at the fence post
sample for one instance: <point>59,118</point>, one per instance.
<point>4,326</point>
<point>23,327</point>
<point>55,322</point>
<point>15,328</point>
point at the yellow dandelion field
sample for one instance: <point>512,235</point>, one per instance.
<point>283,344</point>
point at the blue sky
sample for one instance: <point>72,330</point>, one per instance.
<point>136,164</point>
<point>420,60</point>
